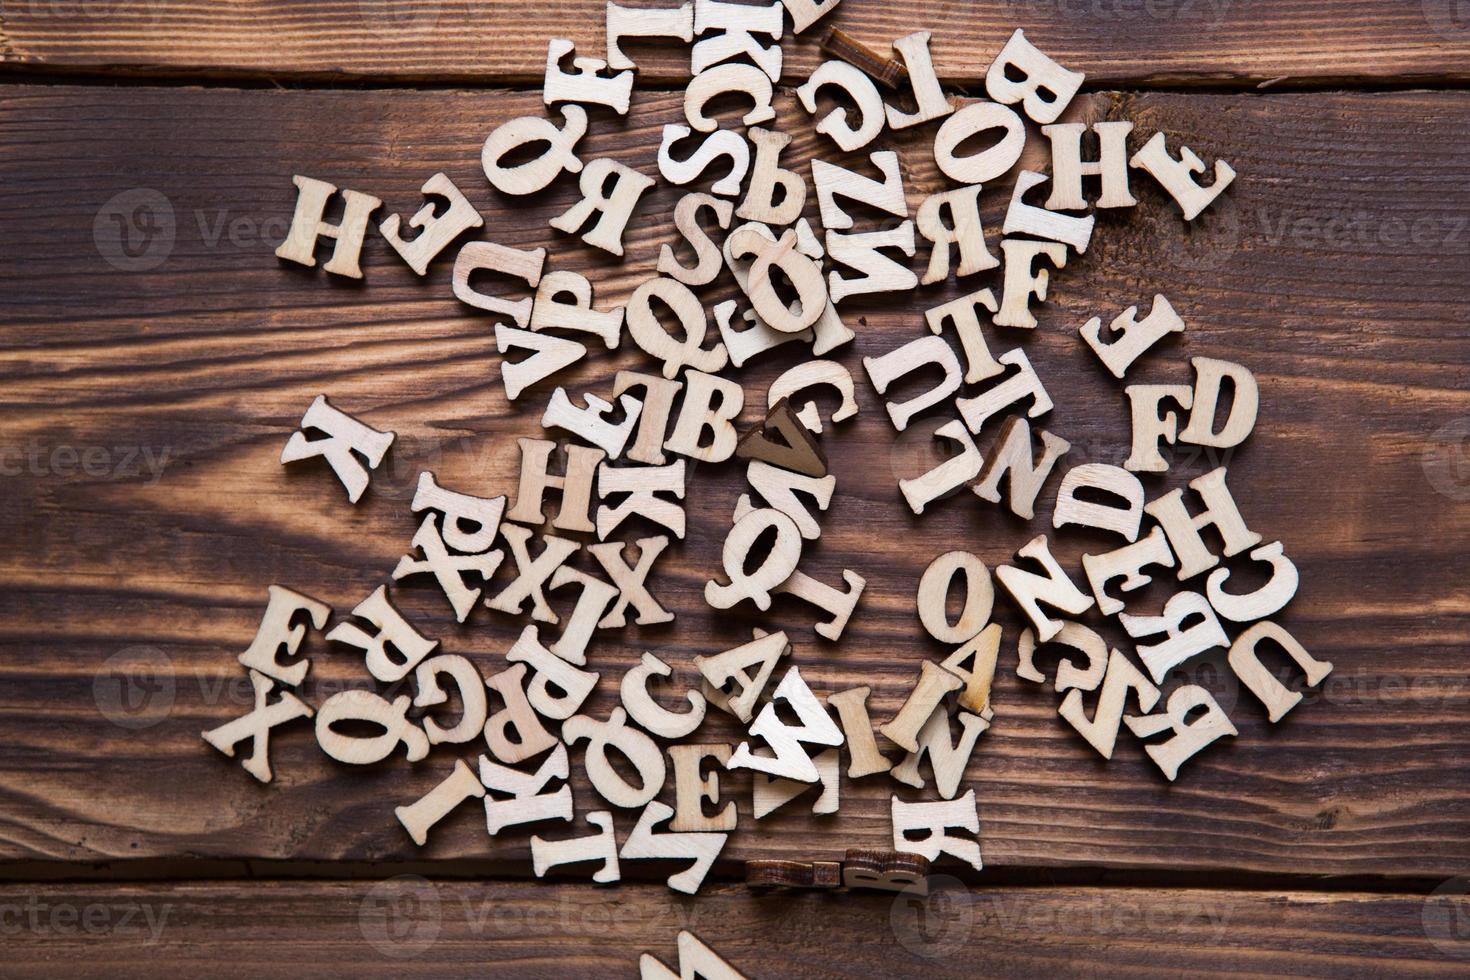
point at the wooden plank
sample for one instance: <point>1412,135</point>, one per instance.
<point>1122,43</point>
<point>129,586</point>
<point>409,926</point>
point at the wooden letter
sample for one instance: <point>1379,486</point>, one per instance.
<point>1177,176</point>
<point>575,485</point>
<point>775,196</point>
<point>1026,219</point>
<point>632,581</point>
<point>537,174</point>
<point>924,828</point>
<point>989,164</point>
<point>777,568</point>
<point>645,22</point>
<point>1022,280</point>
<point>549,313</point>
<point>649,334</point>
<point>642,842</point>
<point>711,403</point>
<point>477,256</point>
<point>257,726</point>
<point>1134,336</point>
<point>551,671</point>
<point>308,225</point>
<point>947,757</point>
<point>985,406</point>
<point>531,576</point>
<point>864,759</point>
<point>934,683</point>
<point>964,231</point>
<point>395,650</point>
<point>1263,602</point>
<point>1067,168</point>
<point>737,22</point>
<point>1184,530</point>
<point>472,698</point>
<point>589,423</point>
<point>790,760</point>
<point>928,95</point>
<point>1129,562</point>
<point>1069,677</point>
<point>1100,478</point>
<point>602,846</point>
<point>460,785</point>
<point>833,182</point>
<point>691,789</point>
<point>1180,643</point>
<point>734,665</point>
<point>552,355</point>
<point>277,635</point>
<point>934,589</point>
<point>527,804</point>
<point>649,713</point>
<point>1246,663</point>
<point>1190,736</point>
<point>1014,455</point>
<point>515,733</point>
<point>1045,88</point>
<point>470,523</point>
<point>885,370</point>
<point>1149,426</point>
<point>721,143</point>
<point>864,96</point>
<point>640,750</point>
<point>1030,590</point>
<point>769,794</point>
<point>794,448</point>
<point>584,85</point>
<point>365,706</point>
<point>728,78</point>
<point>614,207</point>
<point>1102,731</point>
<point>346,439</point>
<point>435,231</point>
<point>686,220</point>
<point>1209,373</point>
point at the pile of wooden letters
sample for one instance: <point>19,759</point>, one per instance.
<point>627,455</point>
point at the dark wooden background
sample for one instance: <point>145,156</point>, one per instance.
<point>1331,844</point>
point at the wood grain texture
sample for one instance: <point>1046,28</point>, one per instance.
<point>126,598</point>
<point>412,927</point>
<point>1124,43</point>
